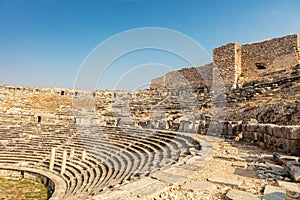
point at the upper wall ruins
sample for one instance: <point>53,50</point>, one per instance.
<point>238,63</point>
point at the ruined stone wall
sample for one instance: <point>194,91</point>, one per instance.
<point>269,55</point>
<point>157,83</point>
<point>227,59</point>
<point>279,138</point>
<point>189,77</point>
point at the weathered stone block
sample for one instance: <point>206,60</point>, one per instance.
<point>169,178</point>
<point>251,127</point>
<point>277,132</point>
<point>294,168</point>
<point>238,195</point>
<point>199,186</point>
<point>294,147</point>
<point>274,193</point>
<point>261,128</point>
<point>150,190</point>
<point>293,189</point>
<point>291,132</point>
<point>226,181</point>
<point>267,139</point>
<point>283,144</point>
<point>269,129</point>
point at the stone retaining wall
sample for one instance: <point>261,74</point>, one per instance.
<point>279,138</point>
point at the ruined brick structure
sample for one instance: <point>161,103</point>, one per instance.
<point>189,77</point>
<point>237,63</point>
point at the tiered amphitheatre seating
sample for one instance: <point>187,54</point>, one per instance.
<point>114,155</point>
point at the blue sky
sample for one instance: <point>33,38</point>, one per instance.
<point>44,42</point>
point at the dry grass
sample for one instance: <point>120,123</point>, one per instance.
<point>22,190</point>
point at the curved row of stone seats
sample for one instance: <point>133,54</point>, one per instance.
<point>114,155</point>
<point>84,170</point>
<point>152,147</point>
<point>148,144</point>
<point>109,152</point>
<point>98,144</point>
<point>26,154</point>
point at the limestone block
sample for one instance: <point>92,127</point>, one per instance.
<point>293,189</point>
<point>269,129</point>
<point>261,128</point>
<point>291,132</point>
<point>238,195</point>
<point>150,190</point>
<point>169,178</point>
<point>283,144</point>
<point>274,193</point>
<point>225,181</point>
<point>251,127</point>
<point>267,139</point>
<point>294,168</point>
<point>199,185</point>
<point>294,147</point>
<point>283,159</point>
<point>277,132</point>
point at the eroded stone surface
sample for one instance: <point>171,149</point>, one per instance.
<point>150,190</point>
<point>168,177</point>
<point>225,181</point>
<point>199,186</point>
<point>293,189</point>
<point>274,193</point>
<point>240,195</point>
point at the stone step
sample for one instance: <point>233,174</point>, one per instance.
<point>199,185</point>
<point>224,181</point>
<point>169,178</point>
<point>274,193</point>
<point>238,195</point>
<point>292,189</point>
<point>151,190</point>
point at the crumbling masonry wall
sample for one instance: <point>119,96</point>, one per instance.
<point>227,59</point>
<point>188,77</point>
<point>238,63</point>
<point>269,55</point>
<point>245,62</point>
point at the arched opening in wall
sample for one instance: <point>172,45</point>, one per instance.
<point>62,93</point>
<point>260,66</point>
<point>39,119</point>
